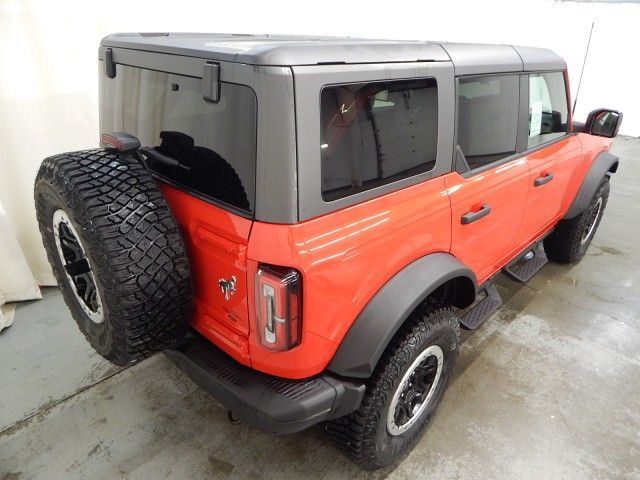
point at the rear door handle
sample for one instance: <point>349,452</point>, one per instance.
<point>471,217</point>
<point>546,178</point>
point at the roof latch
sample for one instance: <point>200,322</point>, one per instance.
<point>109,64</point>
<point>211,82</point>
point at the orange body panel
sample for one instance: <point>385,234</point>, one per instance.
<point>591,147</point>
<point>483,245</point>
<point>217,245</point>
<point>545,202</point>
<point>345,257</point>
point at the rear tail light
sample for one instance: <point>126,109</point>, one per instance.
<point>278,307</point>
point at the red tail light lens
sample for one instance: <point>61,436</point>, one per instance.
<point>278,307</point>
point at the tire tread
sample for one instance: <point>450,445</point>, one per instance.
<point>355,434</point>
<point>133,241</point>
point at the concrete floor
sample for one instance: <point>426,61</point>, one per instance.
<point>548,388</point>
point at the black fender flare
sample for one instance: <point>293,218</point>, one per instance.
<point>375,326</point>
<point>604,164</point>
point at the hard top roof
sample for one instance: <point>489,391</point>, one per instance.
<point>291,50</point>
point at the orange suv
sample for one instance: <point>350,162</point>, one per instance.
<point>303,224</point>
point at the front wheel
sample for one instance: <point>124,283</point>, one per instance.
<point>570,239</point>
<point>404,391</point>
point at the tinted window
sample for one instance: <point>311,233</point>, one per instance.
<point>208,148</point>
<point>487,118</point>
<point>548,110</point>
<point>376,133</point>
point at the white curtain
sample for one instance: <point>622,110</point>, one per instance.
<point>17,281</point>
<point>43,110</point>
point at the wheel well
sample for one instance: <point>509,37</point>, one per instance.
<point>459,292</point>
<point>437,276</point>
<point>614,167</point>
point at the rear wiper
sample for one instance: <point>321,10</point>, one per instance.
<point>155,156</point>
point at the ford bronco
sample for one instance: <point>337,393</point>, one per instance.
<point>303,224</point>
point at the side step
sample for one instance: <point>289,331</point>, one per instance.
<point>526,265</point>
<point>482,310</point>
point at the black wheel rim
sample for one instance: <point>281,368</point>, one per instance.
<point>415,390</point>
<point>76,266</point>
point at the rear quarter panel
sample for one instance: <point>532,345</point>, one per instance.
<point>345,257</point>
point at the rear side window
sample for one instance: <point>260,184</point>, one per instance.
<point>548,109</point>
<point>205,148</point>
<point>487,118</point>
<point>376,133</point>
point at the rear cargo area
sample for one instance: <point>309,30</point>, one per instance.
<point>203,155</point>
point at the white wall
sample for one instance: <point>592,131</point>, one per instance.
<point>48,71</point>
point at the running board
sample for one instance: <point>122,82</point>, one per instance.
<point>526,265</point>
<point>482,310</point>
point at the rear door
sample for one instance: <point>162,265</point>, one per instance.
<point>552,153</point>
<point>488,192</point>
<point>203,155</point>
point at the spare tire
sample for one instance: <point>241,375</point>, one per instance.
<point>116,251</point>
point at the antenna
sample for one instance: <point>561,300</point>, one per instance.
<point>584,62</point>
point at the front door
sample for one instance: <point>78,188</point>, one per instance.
<point>488,193</point>
<point>553,153</point>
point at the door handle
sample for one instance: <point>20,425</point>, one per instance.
<point>546,178</point>
<point>471,217</point>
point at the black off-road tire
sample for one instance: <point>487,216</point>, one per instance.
<point>132,245</point>
<point>567,243</point>
<point>364,435</point>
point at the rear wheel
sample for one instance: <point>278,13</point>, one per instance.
<point>404,391</point>
<point>116,252</point>
<point>570,239</point>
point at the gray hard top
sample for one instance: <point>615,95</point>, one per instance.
<point>283,50</point>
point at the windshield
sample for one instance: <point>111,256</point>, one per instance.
<point>205,148</point>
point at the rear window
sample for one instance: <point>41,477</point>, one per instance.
<point>376,133</point>
<point>208,149</point>
<point>487,118</point>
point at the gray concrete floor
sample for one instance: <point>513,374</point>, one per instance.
<point>548,388</point>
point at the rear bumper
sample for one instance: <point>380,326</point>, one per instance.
<point>271,404</point>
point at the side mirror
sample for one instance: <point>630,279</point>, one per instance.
<point>603,123</point>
